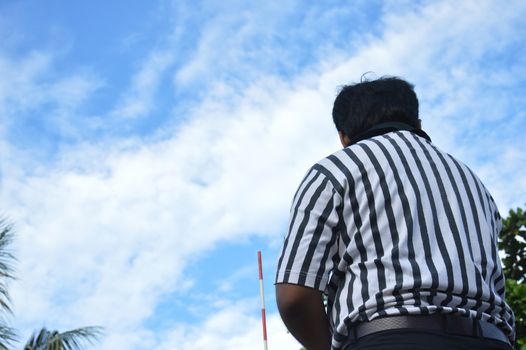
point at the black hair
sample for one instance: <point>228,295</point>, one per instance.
<point>359,107</point>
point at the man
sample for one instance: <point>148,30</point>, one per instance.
<point>400,236</point>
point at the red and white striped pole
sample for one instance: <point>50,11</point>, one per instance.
<point>262,296</point>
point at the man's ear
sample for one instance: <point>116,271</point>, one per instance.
<point>344,139</point>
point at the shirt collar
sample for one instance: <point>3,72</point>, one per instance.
<point>384,128</point>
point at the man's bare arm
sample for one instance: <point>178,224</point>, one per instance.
<point>303,312</point>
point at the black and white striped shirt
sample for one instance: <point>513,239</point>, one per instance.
<point>392,225</point>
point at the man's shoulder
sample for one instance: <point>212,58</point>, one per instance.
<point>332,167</point>
<point>350,161</point>
<point>342,158</point>
<point>330,163</point>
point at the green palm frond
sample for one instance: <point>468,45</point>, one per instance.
<point>44,339</point>
<point>7,337</point>
<point>7,334</point>
<point>75,339</point>
<point>6,263</point>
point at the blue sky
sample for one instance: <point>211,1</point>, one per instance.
<point>148,150</point>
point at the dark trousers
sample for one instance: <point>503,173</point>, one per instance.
<point>407,339</point>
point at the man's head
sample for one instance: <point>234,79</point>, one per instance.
<point>361,106</point>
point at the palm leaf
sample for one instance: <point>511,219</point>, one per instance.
<point>75,339</point>
<point>6,263</point>
<point>7,337</point>
<point>7,334</point>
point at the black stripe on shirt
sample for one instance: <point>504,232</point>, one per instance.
<point>374,228</point>
<point>395,252</point>
<point>356,219</point>
<point>452,226</point>
<point>316,235</point>
<point>408,219</point>
<point>295,213</point>
<point>440,240</point>
<point>303,225</point>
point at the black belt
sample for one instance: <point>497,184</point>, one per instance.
<point>449,324</point>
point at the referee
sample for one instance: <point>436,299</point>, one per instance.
<point>400,236</point>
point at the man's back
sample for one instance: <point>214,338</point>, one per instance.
<point>400,235</point>
<point>392,225</point>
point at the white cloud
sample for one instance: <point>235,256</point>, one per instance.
<point>139,100</point>
<point>19,87</point>
<point>114,233</point>
<point>108,229</point>
<point>28,86</point>
<point>233,327</point>
<point>235,39</point>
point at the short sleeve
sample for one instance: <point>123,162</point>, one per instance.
<point>311,242</point>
